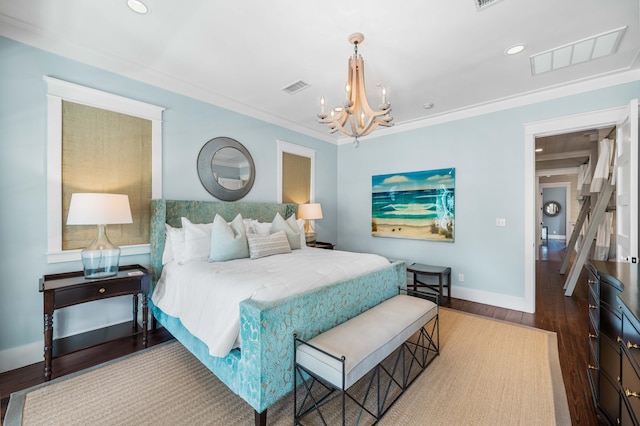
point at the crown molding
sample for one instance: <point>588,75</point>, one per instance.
<point>523,99</point>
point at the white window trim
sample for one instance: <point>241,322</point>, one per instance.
<point>303,152</point>
<point>57,91</point>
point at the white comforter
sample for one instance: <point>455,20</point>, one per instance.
<point>206,296</point>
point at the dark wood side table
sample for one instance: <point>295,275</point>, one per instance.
<point>441,272</point>
<point>68,289</point>
<point>320,244</point>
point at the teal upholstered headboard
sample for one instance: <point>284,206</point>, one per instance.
<point>170,212</point>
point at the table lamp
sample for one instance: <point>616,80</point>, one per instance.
<point>309,212</point>
<point>102,257</point>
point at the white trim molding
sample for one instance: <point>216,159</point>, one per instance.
<point>515,101</point>
<point>57,91</point>
<point>490,298</point>
<point>19,356</point>
<point>568,124</point>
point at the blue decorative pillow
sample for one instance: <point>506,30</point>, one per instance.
<point>262,246</point>
<point>228,240</point>
<point>290,227</point>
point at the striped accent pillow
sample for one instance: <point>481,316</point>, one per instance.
<point>268,245</point>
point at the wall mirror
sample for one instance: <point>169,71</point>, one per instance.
<point>226,169</point>
<point>551,208</point>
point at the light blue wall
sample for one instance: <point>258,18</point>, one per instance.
<point>488,154</point>
<point>188,125</point>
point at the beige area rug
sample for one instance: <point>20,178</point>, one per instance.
<point>489,373</point>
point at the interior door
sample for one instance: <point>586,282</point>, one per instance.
<point>627,186</point>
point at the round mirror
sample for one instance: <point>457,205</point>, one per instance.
<point>226,169</point>
<point>551,208</point>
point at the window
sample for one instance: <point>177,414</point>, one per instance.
<point>99,142</point>
<point>296,173</point>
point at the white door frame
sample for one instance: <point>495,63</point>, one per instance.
<point>626,175</point>
<point>573,123</point>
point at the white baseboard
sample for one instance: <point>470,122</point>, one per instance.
<point>487,298</point>
<point>28,354</point>
<point>557,237</point>
<point>17,357</point>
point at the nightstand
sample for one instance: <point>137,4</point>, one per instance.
<point>441,272</point>
<point>68,289</point>
<point>320,244</point>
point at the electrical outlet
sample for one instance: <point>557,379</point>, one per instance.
<point>460,277</point>
<point>501,221</point>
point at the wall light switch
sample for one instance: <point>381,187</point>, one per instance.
<point>501,221</point>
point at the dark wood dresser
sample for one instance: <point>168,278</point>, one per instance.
<point>614,340</point>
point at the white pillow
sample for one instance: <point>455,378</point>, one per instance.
<point>197,240</point>
<point>260,228</point>
<point>290,227</point>
<point>247,226</point>
<point>303,238</point>
<point>173,244</point>
<point>295,225</point>
<point>262,246</point>
<point>228,240</point>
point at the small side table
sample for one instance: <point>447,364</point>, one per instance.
<point>441,272</point>
<point>68,289</point>
<point>320,244</point>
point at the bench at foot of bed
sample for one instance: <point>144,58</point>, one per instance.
<point>395,340</point>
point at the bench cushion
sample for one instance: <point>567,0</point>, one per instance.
<point>365,340</point>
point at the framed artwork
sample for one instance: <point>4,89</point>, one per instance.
<point>415,205</point>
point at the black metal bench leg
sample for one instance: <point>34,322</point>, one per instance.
<point>261,418</point>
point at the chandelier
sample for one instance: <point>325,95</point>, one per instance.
<point>355,118</point>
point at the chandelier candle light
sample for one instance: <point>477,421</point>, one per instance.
<point>355,117</point>
<point>101,259</point>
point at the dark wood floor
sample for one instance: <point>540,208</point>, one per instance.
<point>567,316</point>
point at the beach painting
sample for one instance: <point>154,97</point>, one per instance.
<point>415,205</point>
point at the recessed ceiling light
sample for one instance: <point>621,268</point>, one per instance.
<point>428,105</point>
<point>138,6</point>
<point>515,49</point>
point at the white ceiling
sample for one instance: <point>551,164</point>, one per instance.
<point>241,54</point>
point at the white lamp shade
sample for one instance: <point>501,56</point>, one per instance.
<point>310,211</point>
<point>99,209</point>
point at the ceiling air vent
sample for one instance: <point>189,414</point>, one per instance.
<point>483,4</point>
<point>580,51</point>
<point>296,87</point>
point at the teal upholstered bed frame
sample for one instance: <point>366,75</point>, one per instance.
<point>262,372</point>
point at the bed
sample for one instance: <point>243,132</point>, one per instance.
<point>261,370</point>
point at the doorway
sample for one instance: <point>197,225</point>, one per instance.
<point>577,123</point>
<point>555,210</point>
